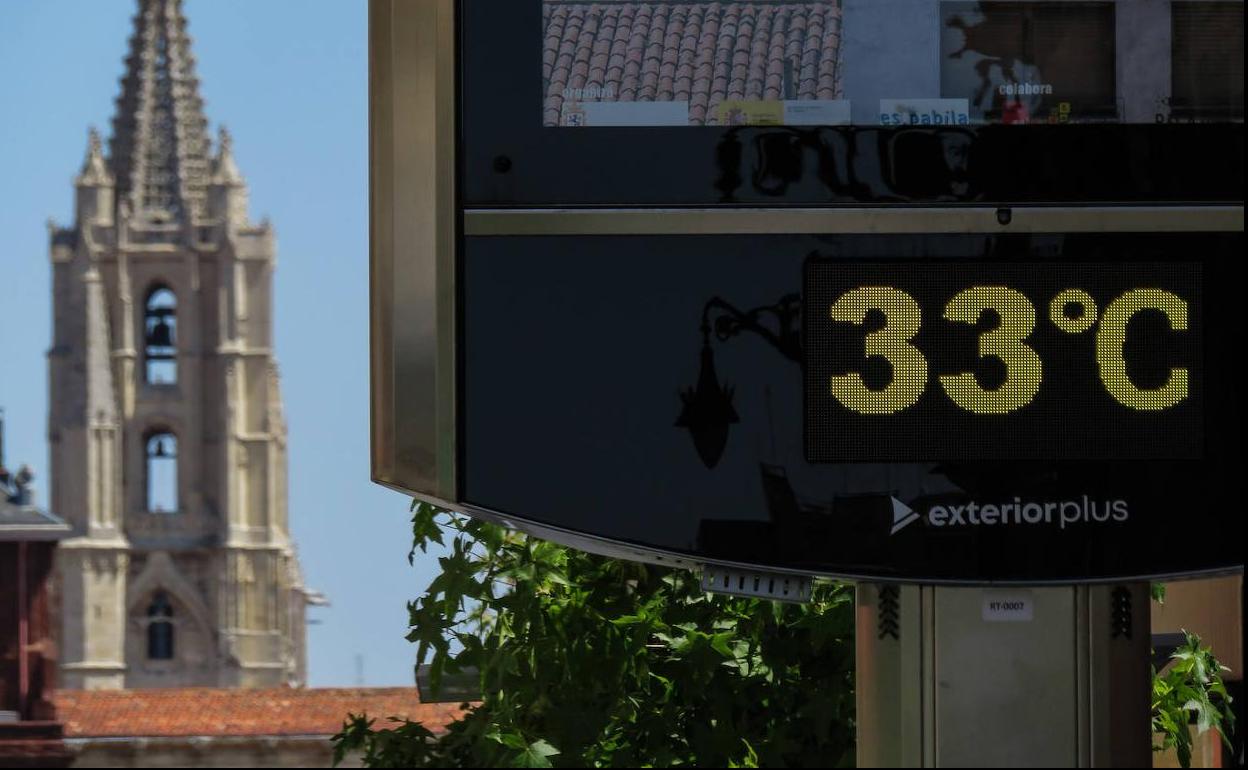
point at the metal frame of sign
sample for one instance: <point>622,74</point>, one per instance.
<point>413,204</point>
<point>417,229</point>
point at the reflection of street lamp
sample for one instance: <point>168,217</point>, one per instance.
<point>707,410</point>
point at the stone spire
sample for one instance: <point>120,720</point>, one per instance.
<point>94,168</point>
<point>95,186</point>
<point>227,191</point>
<point>159,149</point>
<point>224,168</point>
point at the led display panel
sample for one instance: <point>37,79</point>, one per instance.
<point>1016,360</point>
<point>969,408</point>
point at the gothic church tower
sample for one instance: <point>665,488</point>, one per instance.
<point>168,443</point>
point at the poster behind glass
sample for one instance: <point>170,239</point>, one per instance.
<point>890,62</point>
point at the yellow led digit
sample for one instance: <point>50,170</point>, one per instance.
<point>1024,370</point>
<point>1075,323</point>
<point>902,319</point>
<point>1111,335</point>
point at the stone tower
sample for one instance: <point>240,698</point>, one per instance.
<point>168,443</point>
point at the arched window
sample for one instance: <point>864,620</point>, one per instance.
<point>162,472</point>
<point>160,336</point>
<point>160,628</point>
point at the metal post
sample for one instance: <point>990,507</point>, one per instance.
<point>1013,677</point>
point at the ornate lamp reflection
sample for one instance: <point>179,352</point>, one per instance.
<point>708,410</point>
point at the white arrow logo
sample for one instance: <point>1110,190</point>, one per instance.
<point>903,516</point>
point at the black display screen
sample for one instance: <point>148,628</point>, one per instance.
<point>972,360</point>
<point>667,393</point>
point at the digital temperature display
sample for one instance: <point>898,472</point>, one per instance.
<point>959,360</point>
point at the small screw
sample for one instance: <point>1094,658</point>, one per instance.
<point>1004,216</point>
<point>502,164</point>
<point>1120,614</point>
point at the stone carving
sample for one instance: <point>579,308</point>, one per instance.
<point>15,487</point>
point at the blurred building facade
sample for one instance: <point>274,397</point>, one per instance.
<point>30,735</point>
<point>167,436</point>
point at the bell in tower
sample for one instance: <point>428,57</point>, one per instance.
<point>159,343</point>
<point>161,334</point>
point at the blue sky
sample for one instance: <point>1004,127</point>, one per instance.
<point>290,79</point>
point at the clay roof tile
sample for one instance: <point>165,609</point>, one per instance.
<point>189,712</point>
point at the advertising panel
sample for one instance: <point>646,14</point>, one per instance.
<point>814,62</point>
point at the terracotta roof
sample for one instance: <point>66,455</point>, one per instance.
<point>186,712</point>
<point>695,50</point>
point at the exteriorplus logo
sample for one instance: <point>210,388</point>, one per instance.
<point>1018,512</point>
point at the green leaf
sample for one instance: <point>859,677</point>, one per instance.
<point>1190,686</point>
<point>1158,592</point>
<point>536,754</point>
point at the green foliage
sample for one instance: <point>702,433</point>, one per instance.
<point>1158,592</point>
<point>587,661</point>
<point>1191,686</point>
